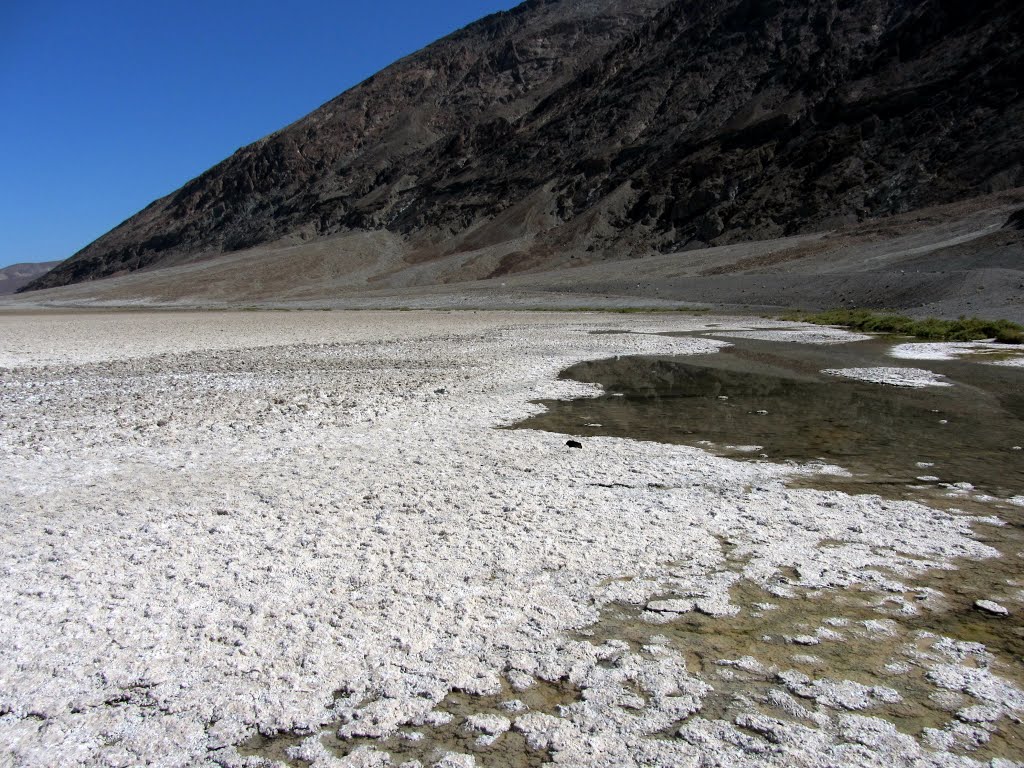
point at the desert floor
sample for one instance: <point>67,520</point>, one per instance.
<point>306,525</point>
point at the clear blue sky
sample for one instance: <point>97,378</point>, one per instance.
<point>106,106</point>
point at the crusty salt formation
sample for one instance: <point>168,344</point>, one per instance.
<point>307,520</point>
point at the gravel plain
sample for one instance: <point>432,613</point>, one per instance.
<point>229,523</point>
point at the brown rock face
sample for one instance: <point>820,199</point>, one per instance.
<point>612,128</point>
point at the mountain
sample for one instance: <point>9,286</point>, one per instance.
<point>566,132</point>
<point>15,276</point>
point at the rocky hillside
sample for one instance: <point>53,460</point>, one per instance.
<point>571,131</point>
<point>15,276</point>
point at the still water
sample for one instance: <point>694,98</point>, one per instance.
<point>773,395</point>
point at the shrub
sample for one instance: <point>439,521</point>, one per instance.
<point>932,328</point>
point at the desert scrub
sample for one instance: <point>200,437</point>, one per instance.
<point>961,329</point>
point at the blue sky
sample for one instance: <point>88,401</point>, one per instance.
<point>106,106</point>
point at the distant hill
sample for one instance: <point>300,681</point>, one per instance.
<point>567,132</point>
<point>15,276</point>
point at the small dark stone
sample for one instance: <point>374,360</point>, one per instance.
<point>574,443</point>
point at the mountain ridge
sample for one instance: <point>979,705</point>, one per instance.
<point>14,276</point>
<point>569,132</point>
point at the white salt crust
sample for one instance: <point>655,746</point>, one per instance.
<point>797,334</point>
<point>951,350</point>
<point>202,543</point>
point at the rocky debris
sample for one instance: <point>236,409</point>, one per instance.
<point>568,132</point>
<point>573,444</point>
<point>991,608</point>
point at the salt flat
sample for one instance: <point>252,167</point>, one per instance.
<point>220,523</point>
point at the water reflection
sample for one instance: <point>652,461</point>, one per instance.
<point>773,396</point>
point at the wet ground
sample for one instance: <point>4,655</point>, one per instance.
<point>816,654</point>
<point>954,447</point>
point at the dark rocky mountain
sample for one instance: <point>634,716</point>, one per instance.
<point>17,275</point>
<point>573,131</point>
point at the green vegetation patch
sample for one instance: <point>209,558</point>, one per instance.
<point>962,329</point>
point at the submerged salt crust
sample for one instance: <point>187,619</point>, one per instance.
<point>308,518</point>
<point>897,377</point>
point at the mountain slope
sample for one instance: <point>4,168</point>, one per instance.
<point>567,131</point>
<point>17,275</point>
